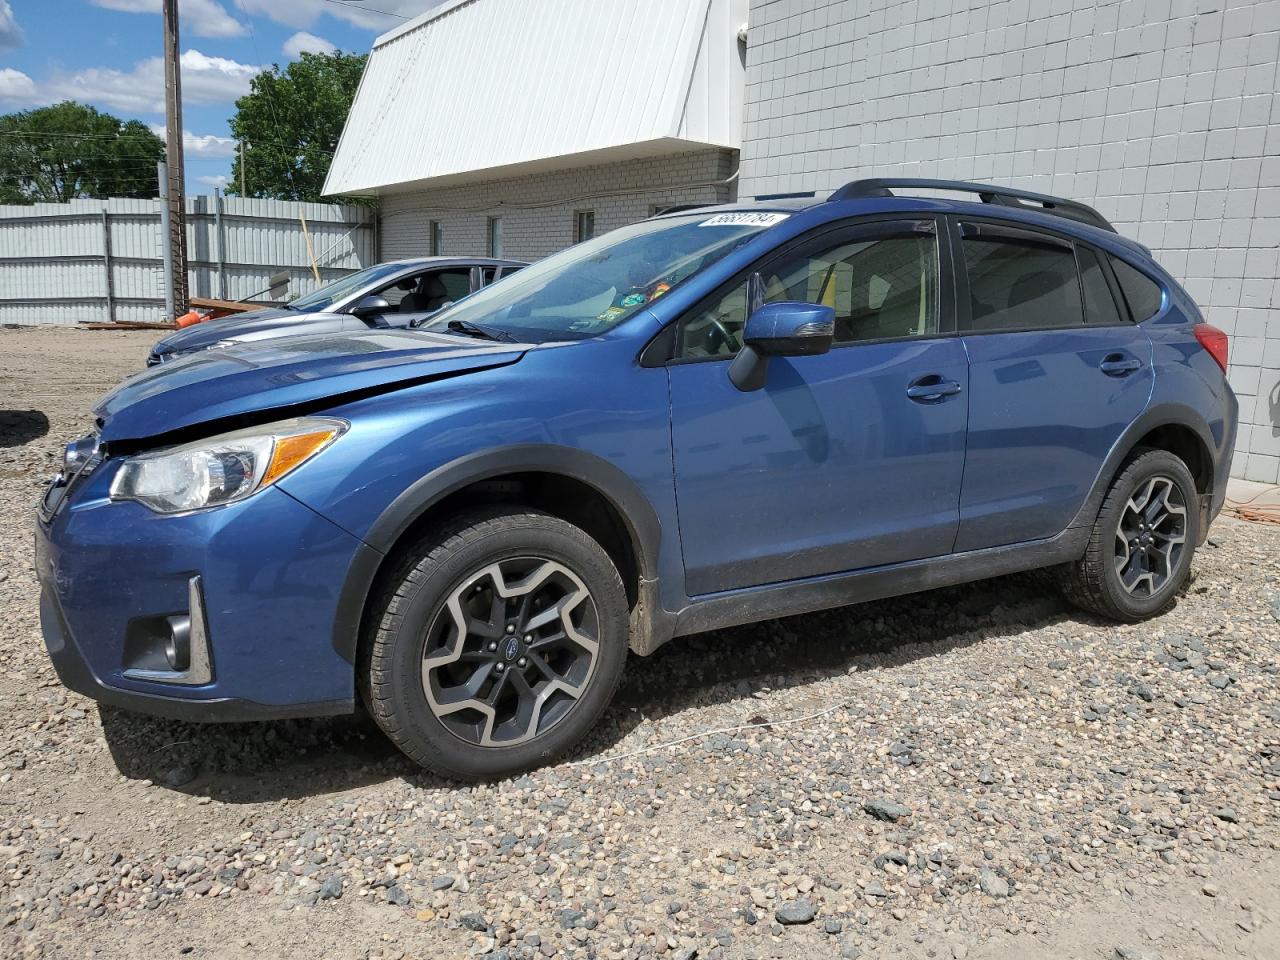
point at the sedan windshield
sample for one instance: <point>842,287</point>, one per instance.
<point>326,297</point>
<point>591,287</point>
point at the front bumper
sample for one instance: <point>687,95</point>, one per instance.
<point>270,572</point>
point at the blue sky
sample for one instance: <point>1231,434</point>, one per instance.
<point>107,53</point>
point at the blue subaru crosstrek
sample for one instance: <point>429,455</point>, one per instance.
<point>708,418</point>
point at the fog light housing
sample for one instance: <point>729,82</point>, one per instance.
<point>171,649</point>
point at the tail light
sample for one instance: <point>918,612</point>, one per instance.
<point>1214,342</point>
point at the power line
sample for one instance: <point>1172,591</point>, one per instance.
<point>135,161</point>
<point>49,175</point>
<point>281,144</point>
<point>39,135</point>
<point>361,6</point>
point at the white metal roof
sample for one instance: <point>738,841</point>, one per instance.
<point>476,89</point>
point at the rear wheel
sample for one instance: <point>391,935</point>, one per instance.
<point>1139,554</point>
<point>497,644</point>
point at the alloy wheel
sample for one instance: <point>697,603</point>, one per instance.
<point>1150,536</point>
<point>511,651</point>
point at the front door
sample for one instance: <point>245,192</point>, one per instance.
<point>1057,372</point>
<point>843,461</point>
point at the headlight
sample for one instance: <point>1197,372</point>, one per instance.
<point>223,469</point>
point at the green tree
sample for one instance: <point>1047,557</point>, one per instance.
<point>67,151</point>
<point>289,124</point>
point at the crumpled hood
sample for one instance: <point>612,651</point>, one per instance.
<point>249,378</point>
<point>202,335</point>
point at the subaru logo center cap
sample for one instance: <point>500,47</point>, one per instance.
<point>511,648</point>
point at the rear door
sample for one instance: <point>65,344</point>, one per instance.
<point>1057,372</point>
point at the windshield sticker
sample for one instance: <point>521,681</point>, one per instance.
<point>744,219</point>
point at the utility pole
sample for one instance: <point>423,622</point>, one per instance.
<point>242,193</point>
<point>176,193</point>
<point>166,251</point>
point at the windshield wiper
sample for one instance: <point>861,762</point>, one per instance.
<point>482,332</point>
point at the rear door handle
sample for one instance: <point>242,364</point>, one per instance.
<point>932,388</point>
<point>1119,364</point>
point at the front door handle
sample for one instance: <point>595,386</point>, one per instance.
<point>1119,364</point>
<point>933,388</point>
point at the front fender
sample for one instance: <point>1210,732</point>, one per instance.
<point>635,509</point>
<point>615,486</point>
<point>552,413</point>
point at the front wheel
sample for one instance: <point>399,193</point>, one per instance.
<point>496,644</point>
<point>1139,554</point>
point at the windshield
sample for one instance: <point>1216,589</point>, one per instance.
<point>326,297</point>
<point>593,286</point>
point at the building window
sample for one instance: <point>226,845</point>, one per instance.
<point>435,238</point>
<point>495,236</point>
<point>584,225</point>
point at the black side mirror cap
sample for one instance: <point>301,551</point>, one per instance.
<point>373,303</point>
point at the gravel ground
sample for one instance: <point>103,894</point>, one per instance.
<point>991,775</point>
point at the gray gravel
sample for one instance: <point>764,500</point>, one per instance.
<point>1000,765</point>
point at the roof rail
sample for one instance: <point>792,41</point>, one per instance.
<point>1001,196</point>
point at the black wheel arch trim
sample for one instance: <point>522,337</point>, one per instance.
<point>637,513</point>
<point>1160,415</point>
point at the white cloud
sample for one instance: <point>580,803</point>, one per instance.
<point>217,182</point>
<point>202,145</point>
<point>10,33</point>
<point>16,87</point>
<point>303,42</point>
<point>203,18</point>
<point>205,79</point>
<point>304,13</point>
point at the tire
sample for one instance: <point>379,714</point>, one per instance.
<point>457,690</point>
<point>1097,581</point>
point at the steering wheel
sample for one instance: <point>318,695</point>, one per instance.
<point>716,330</point>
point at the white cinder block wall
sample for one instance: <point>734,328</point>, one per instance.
<point>1162,113</point>
<point>538,211</point>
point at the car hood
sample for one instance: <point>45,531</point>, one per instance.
<point>248,379</point>
<point>203,335</point>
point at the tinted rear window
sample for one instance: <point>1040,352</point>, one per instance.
<point>1021,285</point>
<point>1142,293</point>
<point>1100,308</point>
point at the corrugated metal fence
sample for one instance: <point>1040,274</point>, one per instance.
<point>98,260</point>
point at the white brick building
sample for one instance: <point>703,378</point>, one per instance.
<point>519,126</point>
<point>541,212</point>
<point>1163,114</point>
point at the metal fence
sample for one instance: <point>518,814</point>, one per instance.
<point>100,260</point>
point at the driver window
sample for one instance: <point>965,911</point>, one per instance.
<point>395,292</point>
<point>880,288</point>
<point>427,292</point>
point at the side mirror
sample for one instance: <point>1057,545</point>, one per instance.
<point>782,329</point>
<point>369,305</point>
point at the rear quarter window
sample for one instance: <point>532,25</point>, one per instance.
<point>1143,294</point>
<point>1100,307</point>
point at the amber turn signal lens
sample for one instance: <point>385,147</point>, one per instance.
<point>289,452</point>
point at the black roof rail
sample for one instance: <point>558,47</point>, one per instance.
<point>1002,196</point>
